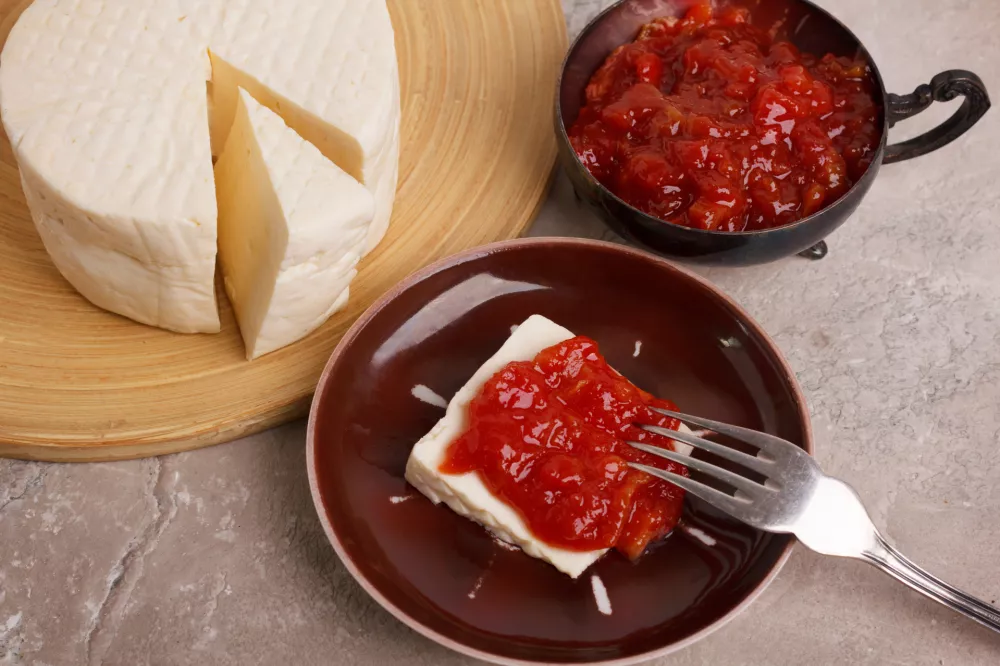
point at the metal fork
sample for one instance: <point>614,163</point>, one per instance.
<point>796,497</point>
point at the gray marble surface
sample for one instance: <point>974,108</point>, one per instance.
<point>216,556</point>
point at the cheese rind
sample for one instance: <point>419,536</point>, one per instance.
<point>466,494</point>
<point>108,222</point>
<point>292,227</point>
<point>106,107</point>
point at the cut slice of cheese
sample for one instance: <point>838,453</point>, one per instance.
<point>467,494</point>
<point>292,227</point>
<point>106,106</point>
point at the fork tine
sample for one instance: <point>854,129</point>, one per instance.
<point>751,488</point>
<point>763,441</point>
<point>720,500</point>
<point>745,459</point>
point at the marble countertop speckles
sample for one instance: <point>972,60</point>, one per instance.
<point>216,557</point>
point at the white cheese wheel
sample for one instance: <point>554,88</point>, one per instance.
<point>109,105</point>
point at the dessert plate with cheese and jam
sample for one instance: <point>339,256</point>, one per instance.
<point>466,452</point>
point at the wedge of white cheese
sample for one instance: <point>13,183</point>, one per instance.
<point>466,494</point>
<point>113,107</point>
<point>292,227</point>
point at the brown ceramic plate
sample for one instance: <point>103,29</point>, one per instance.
<point>442,574</point>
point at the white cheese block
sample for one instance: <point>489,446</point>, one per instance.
<point>466,494</point>
<point>106,106</point>
<point>292,227</point>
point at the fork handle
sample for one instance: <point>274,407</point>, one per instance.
<point>894,563</point>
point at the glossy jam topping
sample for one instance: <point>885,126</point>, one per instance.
<point>547,436</point>
<point>708,122</point>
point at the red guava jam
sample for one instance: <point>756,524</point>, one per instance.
<point>548,437</point>
<point>708,122</point>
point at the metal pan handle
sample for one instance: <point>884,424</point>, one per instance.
<point>944,87</point>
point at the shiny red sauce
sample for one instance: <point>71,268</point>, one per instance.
<point>707,122</point>
<point>548,435</point>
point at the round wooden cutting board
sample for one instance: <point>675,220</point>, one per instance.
<point>78,383</point>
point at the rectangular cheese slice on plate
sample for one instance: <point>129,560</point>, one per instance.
<point>466,494</point>
<point>292,228</point>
